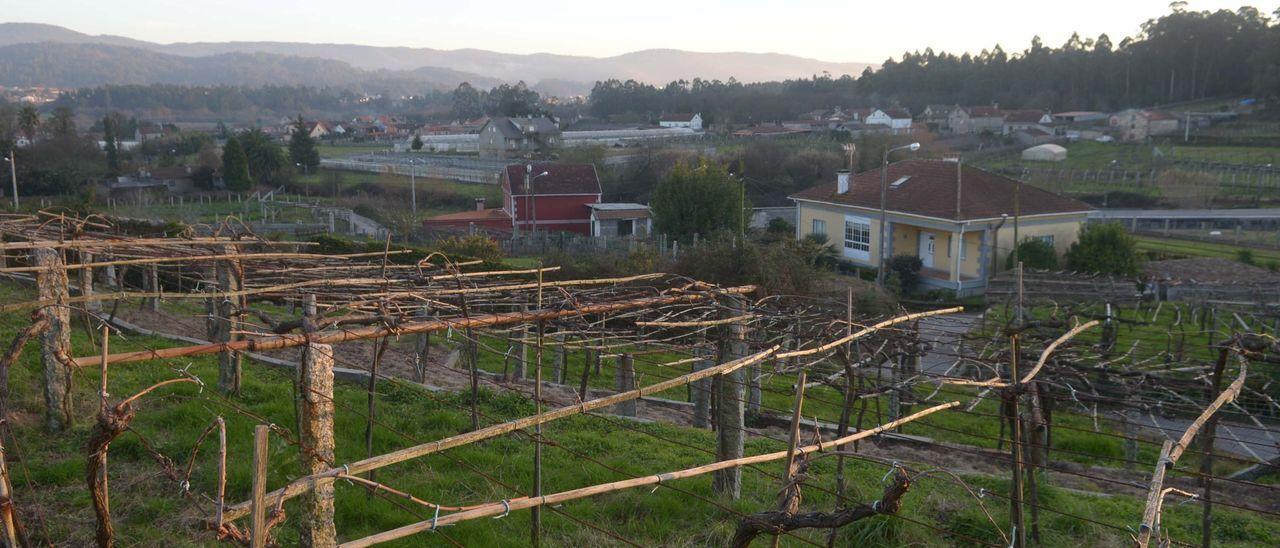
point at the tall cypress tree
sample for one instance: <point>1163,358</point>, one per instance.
<point>302,148</point>
<point>235,165</point>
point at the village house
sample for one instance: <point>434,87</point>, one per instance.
<point>551,197</point>
<point>1138,125</point>
<point>502,136</point>
<point>957,218</point>
<point>977,120</point>
<point>686,120</point>
<point>1018,120</point>
<point>938,117</point>
<point>896,119</point>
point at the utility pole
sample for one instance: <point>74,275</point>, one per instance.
<point>884,215</point>
<point>413,186</point>
<point>13,177</point>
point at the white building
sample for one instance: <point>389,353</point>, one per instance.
<point>895,119</point>
<point>683,120</point>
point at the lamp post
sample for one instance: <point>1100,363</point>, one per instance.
<point>533,201</point>
<point>13,177</point>
<point>884,214</point>
<point>413,186</point>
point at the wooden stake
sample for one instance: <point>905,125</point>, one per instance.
<point>221,502</point>
<point>316,445</point>
<point>793,440</point>
<point>1206,460</point>
<point>258,528</point>
<point>228,309</point>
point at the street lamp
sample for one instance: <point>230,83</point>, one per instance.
<point>884,196</point>
<point>533,201</point>
<point>13,177</point>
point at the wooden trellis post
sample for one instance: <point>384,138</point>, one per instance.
<point>258,520</point>
<point>625,380</point>
<point>315,391</point>
<point>51,284</point>
<point>230,278</point>
<point>153,285</point>
<point>730,408</point>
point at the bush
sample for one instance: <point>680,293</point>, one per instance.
<point>907,268</point>
<point>1034,253</point>
<point>1246,256</point>
<point>1104,249</point>
<point>476,246</point>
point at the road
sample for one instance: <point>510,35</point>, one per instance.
<point>943,334</point>
<point>1245,440</point>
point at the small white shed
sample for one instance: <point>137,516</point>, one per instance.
<point>1047,152</point>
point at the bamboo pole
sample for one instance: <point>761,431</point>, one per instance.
<point>141,242</point>
<point>498,508</point>
<point>1170,453</point>
<point>305,483</point>
<point>866,331</point>
<point>370,332</point>
<point>195,258</point>
<point>222,474</point>
<point>7,521</point>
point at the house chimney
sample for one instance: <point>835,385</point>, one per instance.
<point>479,204</point>
<point>842,181</point>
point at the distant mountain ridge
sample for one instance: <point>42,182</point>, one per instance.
<point>655,66</point>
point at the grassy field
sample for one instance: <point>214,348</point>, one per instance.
<point>1188,248</point>
<point>149,509</point>
<point>348,150</point>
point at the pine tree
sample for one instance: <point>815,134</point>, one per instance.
<point>417,142</point>
<point>302,148</point>
<point>235,165</point>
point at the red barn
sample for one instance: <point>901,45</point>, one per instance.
<point>552,197</point>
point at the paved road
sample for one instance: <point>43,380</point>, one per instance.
<point>1245,440</point>
<point>943,332</point>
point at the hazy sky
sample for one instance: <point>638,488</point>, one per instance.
<point>831,30</point>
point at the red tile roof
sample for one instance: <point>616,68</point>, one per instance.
<point>931,192</point>
<point>677,117</point>
<point>984,112</point>
<point>1029,116</point>
<point>471,216</point>
<point>1158,115</point>
<point>560,179</point>
<point>897,113</point>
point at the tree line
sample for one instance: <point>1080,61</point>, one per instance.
<point>1181,56</point>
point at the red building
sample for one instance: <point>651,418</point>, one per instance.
<point>552,197</point>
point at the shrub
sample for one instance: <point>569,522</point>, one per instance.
<point>907,267</point>
<point>476,246</point>
<point>1246,256</point>
<point>1104,249</point>
<point>1034,253</point>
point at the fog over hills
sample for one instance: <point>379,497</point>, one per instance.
<point>28,58</point>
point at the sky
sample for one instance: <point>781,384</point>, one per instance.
<point>831,30</point>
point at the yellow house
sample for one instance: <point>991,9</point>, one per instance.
<point>958,219</point>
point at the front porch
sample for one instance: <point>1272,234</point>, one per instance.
<point>950,259</point>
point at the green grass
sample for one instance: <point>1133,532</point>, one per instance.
<point>149,510</point>
<point>1188,248</point>
<point>348,150</point>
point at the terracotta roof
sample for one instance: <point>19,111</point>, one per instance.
<point>1158,115</point>
<point>472,216</point>
<point>984,112</point>
<point>1023,116</point>
<point>897,113</point>
<point>930,191</point>
<point>560,179</point>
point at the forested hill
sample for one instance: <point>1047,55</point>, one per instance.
<point>1181,56</point>
<point>62,64</point>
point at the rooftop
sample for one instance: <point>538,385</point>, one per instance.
<point>559,179</point>
<point>930,191</point>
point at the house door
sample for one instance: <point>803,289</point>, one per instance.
<point>926,249</point>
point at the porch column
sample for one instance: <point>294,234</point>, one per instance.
<point>957,239</point>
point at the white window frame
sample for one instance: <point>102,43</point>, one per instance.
<point>964,248</point>
<point>857,245</point>
<point>1046,238</point>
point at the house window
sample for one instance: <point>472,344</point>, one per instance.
<point>1048,239</point>
<point>819,227</point>
<point>964,248</point>
<point>857,235</point>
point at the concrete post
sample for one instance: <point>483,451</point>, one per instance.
<point>701,397</point>
<point>230,278</point>
<point>422,349</point>
<point>315,413</point>
<point>558,361</point>
<point>625,381</point>
<point>51,284</point>
<point>730,409</point>
<point>153,285</point>
<point>86,282</point>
